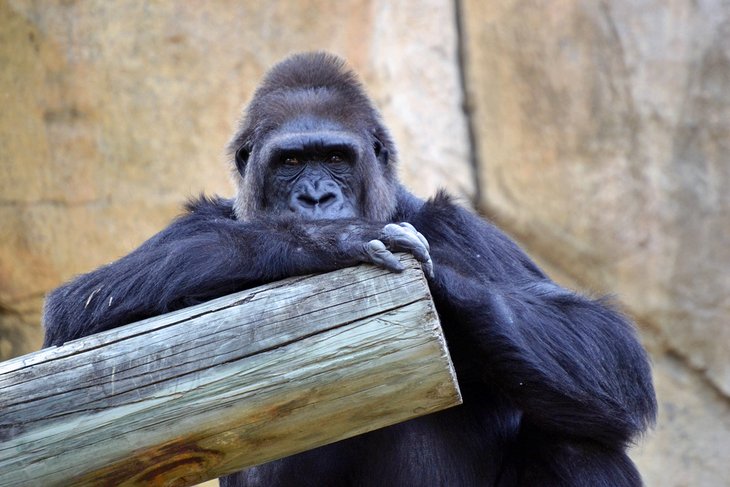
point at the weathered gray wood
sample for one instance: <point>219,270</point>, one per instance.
<point>235,382</point>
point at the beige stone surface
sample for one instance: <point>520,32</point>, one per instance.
<point>688,448</point>
<point>603,134</point>
<point>115,112</point>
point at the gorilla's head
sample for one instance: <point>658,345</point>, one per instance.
<point>311,144</point>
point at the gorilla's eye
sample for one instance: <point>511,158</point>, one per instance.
<point>377,147</point>
<point>242,155</point>
<point>381,153</point>
<point>291,161</point>
<point>335,159</point>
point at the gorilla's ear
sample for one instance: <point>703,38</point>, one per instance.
<point>381,153</point>
<point>242,158</point>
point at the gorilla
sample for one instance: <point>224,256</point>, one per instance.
<point>555,385</point>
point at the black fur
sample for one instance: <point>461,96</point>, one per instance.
<point>555,384</point>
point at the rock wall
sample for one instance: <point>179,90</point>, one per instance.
<point>600,130</point>
<point>603,135</point>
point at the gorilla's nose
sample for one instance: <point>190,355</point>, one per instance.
<point>319,200</point>
<point>322,199</point>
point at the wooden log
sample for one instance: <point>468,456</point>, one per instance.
<point>235,382</point>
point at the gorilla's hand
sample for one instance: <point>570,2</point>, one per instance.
<point>357,243</point>
<point>401,237</point>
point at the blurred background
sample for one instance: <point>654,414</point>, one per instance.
<point>595,133</point>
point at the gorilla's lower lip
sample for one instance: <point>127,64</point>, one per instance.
<point>319,213</point>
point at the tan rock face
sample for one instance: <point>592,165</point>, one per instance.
<point>605,138</point>
<point>689,445</point>
<point>115,113</point>
<point>603,134</point>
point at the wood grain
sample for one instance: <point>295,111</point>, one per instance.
<point>238,381</point>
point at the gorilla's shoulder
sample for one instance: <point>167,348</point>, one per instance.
<point>444,204</point>
<point>210,207</point>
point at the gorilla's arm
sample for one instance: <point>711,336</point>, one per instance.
<point>573,365</point>
<point>206,254</point>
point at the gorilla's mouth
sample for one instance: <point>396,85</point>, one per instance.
<point>322,210</point>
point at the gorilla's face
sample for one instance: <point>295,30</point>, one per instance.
<point>311,169</point>
<point>311,145</point>
<point>314,167</point>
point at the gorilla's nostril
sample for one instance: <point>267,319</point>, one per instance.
<point>307,200</point>
<point>326,198</point>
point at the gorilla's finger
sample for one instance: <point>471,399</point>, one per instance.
<point>418,234</point>
<point>423,241</point>
<point>408,226</point>
<point>381,256</point>
<point>399,237</point>
<point>412,245</point>
<point>428,268</point>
